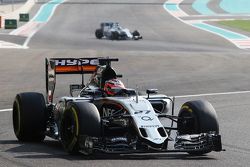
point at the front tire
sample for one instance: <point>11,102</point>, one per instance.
<point>81,120</point>
<point>136,33</point>
<point>197,117</point>
<point>29,118</point>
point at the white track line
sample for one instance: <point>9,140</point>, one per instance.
<point>213,94</point>
<point>183,96</point>
<point>30,36</point>
<point>220,15</point>
<point>5,110</point>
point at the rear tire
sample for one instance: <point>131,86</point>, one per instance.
<point>203,120</point>
<point>115,35</point>
<point>99,33</point>
<point>80,119</point>
<point>29,118</point>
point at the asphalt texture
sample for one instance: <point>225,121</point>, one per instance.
<point>148,17</point>
<point>173,57</point>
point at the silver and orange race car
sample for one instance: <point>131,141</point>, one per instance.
<point>90,120</point>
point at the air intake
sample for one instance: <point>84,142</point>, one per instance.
<point>143,132</point>
<point>162,132</point>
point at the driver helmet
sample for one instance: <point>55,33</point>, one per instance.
<point>113,86</point>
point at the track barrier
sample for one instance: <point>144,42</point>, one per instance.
<point>10,24</point>
<point>24,17</point>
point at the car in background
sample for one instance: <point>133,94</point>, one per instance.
<point>113,31</point>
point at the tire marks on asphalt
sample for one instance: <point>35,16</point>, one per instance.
<point>187,96</point>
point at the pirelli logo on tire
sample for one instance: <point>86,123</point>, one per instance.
<point>187,108</point>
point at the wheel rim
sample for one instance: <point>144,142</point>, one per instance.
<point>70,129</point>
<point>188,123</point>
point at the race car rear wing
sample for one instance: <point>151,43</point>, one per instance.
<point>54,66</point>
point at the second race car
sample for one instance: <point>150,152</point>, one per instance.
<point>113,31</point>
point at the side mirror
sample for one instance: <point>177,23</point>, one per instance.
<point>75,87</point>
<point>151,91</point>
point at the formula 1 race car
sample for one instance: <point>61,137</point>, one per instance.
<point>114,31</point>
<point>106,117</point>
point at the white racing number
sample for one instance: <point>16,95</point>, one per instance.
<point>145,116</point>
<point>141,112</point>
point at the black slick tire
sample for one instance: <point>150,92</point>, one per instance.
<point>29,118</point>
<point>79,119</point>
<point>136,33</point>
<point>115,35</point>
<point>99,33</point>
<point>202,119</point>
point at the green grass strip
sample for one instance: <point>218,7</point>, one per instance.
<point>240,24</point>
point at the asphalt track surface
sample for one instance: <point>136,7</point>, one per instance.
<point>173,57</point>
<point>149,17</point>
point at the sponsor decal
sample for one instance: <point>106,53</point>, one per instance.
<point>112,109</point>
<point>119,139</point>
<point>74,62</point>
<point>107,112</point>
<point>150,126</point>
